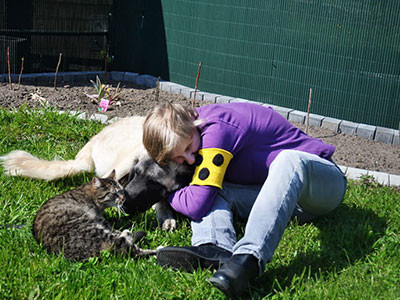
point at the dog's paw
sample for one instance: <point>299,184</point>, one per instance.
<point>127,235</point>
<point>169,224</point>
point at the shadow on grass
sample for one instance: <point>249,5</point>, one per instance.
<point>346,235</point>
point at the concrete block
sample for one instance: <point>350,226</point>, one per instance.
<point>70,76</point>
<point>380,177</point>
<point>236,100</point>
<point>199,95</point>
<point>366,131</point>
<point>28,79</point>
<point>186,92</point>
<point>384,135</point>
<point>117,76</point>
<point>165,86</point>
<point>297,116</point>
<point>394,180</point>
<point>99,117</point>
<point>396,138</point>
<point>92,75</point>
<point>348,127</point>
<point>223,99</point>
<point>283,111</point>
<point>81,77</point>
<point>176,88</point>
<point>130,77</point>
<point>45,78</point>
<point>331,124</point>
<point>355,173</point>
<point>210,97</point>
<point>314,120</point>
<point>142,80</point>
<point>343,168</point>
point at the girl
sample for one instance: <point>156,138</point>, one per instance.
<point>249,161</point>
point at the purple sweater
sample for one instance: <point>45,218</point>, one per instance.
<point>255,135</point>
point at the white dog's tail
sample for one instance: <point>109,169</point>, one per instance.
<point>21,163</point>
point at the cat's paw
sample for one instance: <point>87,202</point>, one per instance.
<point>169,224</point>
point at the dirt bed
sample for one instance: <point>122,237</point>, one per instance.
<point>350,151</point>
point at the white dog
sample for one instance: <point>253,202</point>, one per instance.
<point>118,146</point>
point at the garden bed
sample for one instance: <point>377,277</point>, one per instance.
<point>351,151</point>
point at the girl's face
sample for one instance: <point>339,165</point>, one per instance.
<point>186,150</point>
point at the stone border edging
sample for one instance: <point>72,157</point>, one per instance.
<point>376,133</point>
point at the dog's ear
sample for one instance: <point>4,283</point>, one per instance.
<point>132,173</point>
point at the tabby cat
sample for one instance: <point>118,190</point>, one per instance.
<point>74,223</point>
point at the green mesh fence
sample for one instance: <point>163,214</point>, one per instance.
<point>274,51</point>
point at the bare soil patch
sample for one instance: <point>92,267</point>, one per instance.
<point>350,151</point>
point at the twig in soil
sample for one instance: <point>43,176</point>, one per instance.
<point>195,87</point>
<point>55,76</point>
<point>20,73</point>
<point>157,93</point>
<point>9,67</point>
<point>308,110</point>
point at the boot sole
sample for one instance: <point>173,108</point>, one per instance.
<point>185,259</point>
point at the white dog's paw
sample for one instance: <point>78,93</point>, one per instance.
<point>169,224</point>
<point>127,235</point>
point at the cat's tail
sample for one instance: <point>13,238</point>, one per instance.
<point>21,163</point>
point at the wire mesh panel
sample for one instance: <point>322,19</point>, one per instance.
<point>76,28</point>
<point>275,51</point>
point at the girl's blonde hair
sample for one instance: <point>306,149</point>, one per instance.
<point>164,128</point>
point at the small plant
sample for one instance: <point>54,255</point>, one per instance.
<point>105,96</point>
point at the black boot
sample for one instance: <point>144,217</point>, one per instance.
<point>235,274</point>
<point>191,258</point>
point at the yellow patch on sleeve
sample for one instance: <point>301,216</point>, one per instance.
<point>211,167</point>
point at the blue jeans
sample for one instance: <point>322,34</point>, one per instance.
<point>298,184</point>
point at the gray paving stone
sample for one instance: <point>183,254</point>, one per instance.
<point>165,86</point>
<point>348,127</point>
<point>186,92</point>
<point>331,123</point>
<point>223,99</point>
<point>28,79</point>
<point>211,97</point>
<point>315,120</point>
<point>117,76</point>
<point>394,180</point>
<point>239,100</point>
<point>355,173</point>
<point>99,117</point>
<point>131,77</point>
<point>283,111</point>
<point>380,177</point>
<point>147,81</point>
<point>366,131</point>
<point>343,168</point>
<point>384,135</point>
<point>199,95</point>
<point>176,88</point>
<point>396,138</point>
<point>297,116</point>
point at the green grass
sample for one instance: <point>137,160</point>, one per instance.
<point>354,253</point>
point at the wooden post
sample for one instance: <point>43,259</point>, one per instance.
<point>195,87</point>
<point>9,67</point>
<point>20,73</point>
<point>55,76</point>
<point>308,110</point>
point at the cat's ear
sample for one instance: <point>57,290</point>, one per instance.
<point>96,183</point>
<point>112,174</point>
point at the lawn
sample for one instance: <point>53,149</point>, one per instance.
<point>354,253</point>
